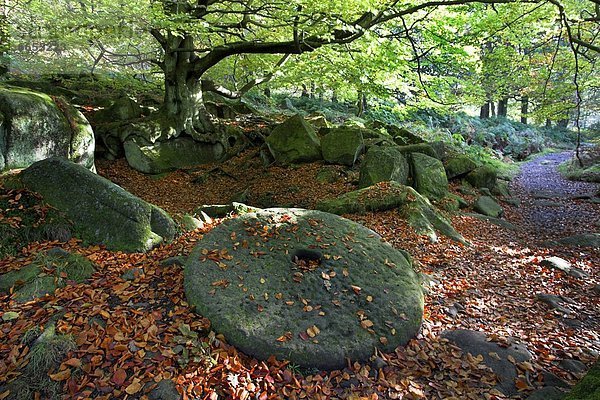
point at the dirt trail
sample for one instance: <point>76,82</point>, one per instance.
<point>551,206</point>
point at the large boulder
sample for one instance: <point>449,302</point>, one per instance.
<point>458,166</point>
<point>171,154</point>
<point>34,126</point>
<point>416,209</point>
<point>484,176</point>
<point>501,359</point>
<point>303,285</point>
<point>101,211</point>
<point>342,145</point>
<point>294,141</point>
<point>383,164</point>
<point>429,176</point>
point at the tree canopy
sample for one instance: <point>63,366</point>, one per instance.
<point>541,53</point>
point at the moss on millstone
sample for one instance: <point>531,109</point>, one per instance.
<point>589,387</point>
<point>266,302</point>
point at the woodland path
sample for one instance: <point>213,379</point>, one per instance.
<point>553,207</point>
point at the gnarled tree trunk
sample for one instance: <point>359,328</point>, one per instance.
<point>183,104</point>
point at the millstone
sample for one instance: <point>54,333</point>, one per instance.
<point>306,286</point>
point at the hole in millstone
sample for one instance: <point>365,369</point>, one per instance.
<point>232,140</point>
<point>307,260</point>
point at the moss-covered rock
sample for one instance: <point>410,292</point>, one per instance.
<point>486,205</point>
<point>420,214</point>
<point>294,141</point>
<point>296,291</point>
<point>34,126</point>
<point>484,176</point>
<point>169,155</point>
<point>589,387</point>
<point>122,109</point>
<point>429,176</point>
<point>423,148</point>
<point>383,164</point>
<point>342,145</point>
<point>101,211</point>
<point>18,277</point>
<point>458,166</point>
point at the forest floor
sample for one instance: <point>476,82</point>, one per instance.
<point>131,334</point>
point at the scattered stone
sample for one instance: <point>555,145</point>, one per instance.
<point>589,387</point>
<point>420,214</point>
<point>458,166</point>
<point>298,300</point>
<point>327,175</point>
<point>167,262</point>
<point>429,176</point>
<point>166,389</point>
<point>342,145</point>
<point>383,164</point>
<point>484,176</point>
<point>294,141</point>
<point>169,155</point>
<point>547,393</point>
<point>573,366</point>
<point>487,206</point>
<point>546,203</point>
<point>552,380</point>
<point>563,265</point>
<point>543,195</point>
<point>102,211</point>
<point>512,201</point>
<point>555,302</point>
<point>35,126</point>
<point>468,191</point>
<point>501,189</point>
<point>122,109</point>
<point>583,240</point>
<point>494,356</point>
<point>223,210</point>
<point>190,223</point>
<point>131,274</point>
<point>379,363</point>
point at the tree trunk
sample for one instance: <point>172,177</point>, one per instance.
<point>524,109</point>
<point>267,92</point>
<point>563,123</point>
<point>503,107</point>
<point>548,123</point>
<point>3,42</point>
<point>334,98</point>
<point>493,109</point>
<point>484,111</point>
<point>361,104</point>
<point>304,91</point>
<point>183,105</point>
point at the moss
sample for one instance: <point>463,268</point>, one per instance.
<point>429,176</point>
<point>383,164</point>
<point>45,356</point>
<point>573,172</point>
<point>39,286</point>
<point>18,277</point>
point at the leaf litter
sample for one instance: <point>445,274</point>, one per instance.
<point>130,335</point>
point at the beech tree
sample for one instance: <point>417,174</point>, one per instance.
<point>192,38</point>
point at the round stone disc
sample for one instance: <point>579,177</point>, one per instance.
<point>307,286</point>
